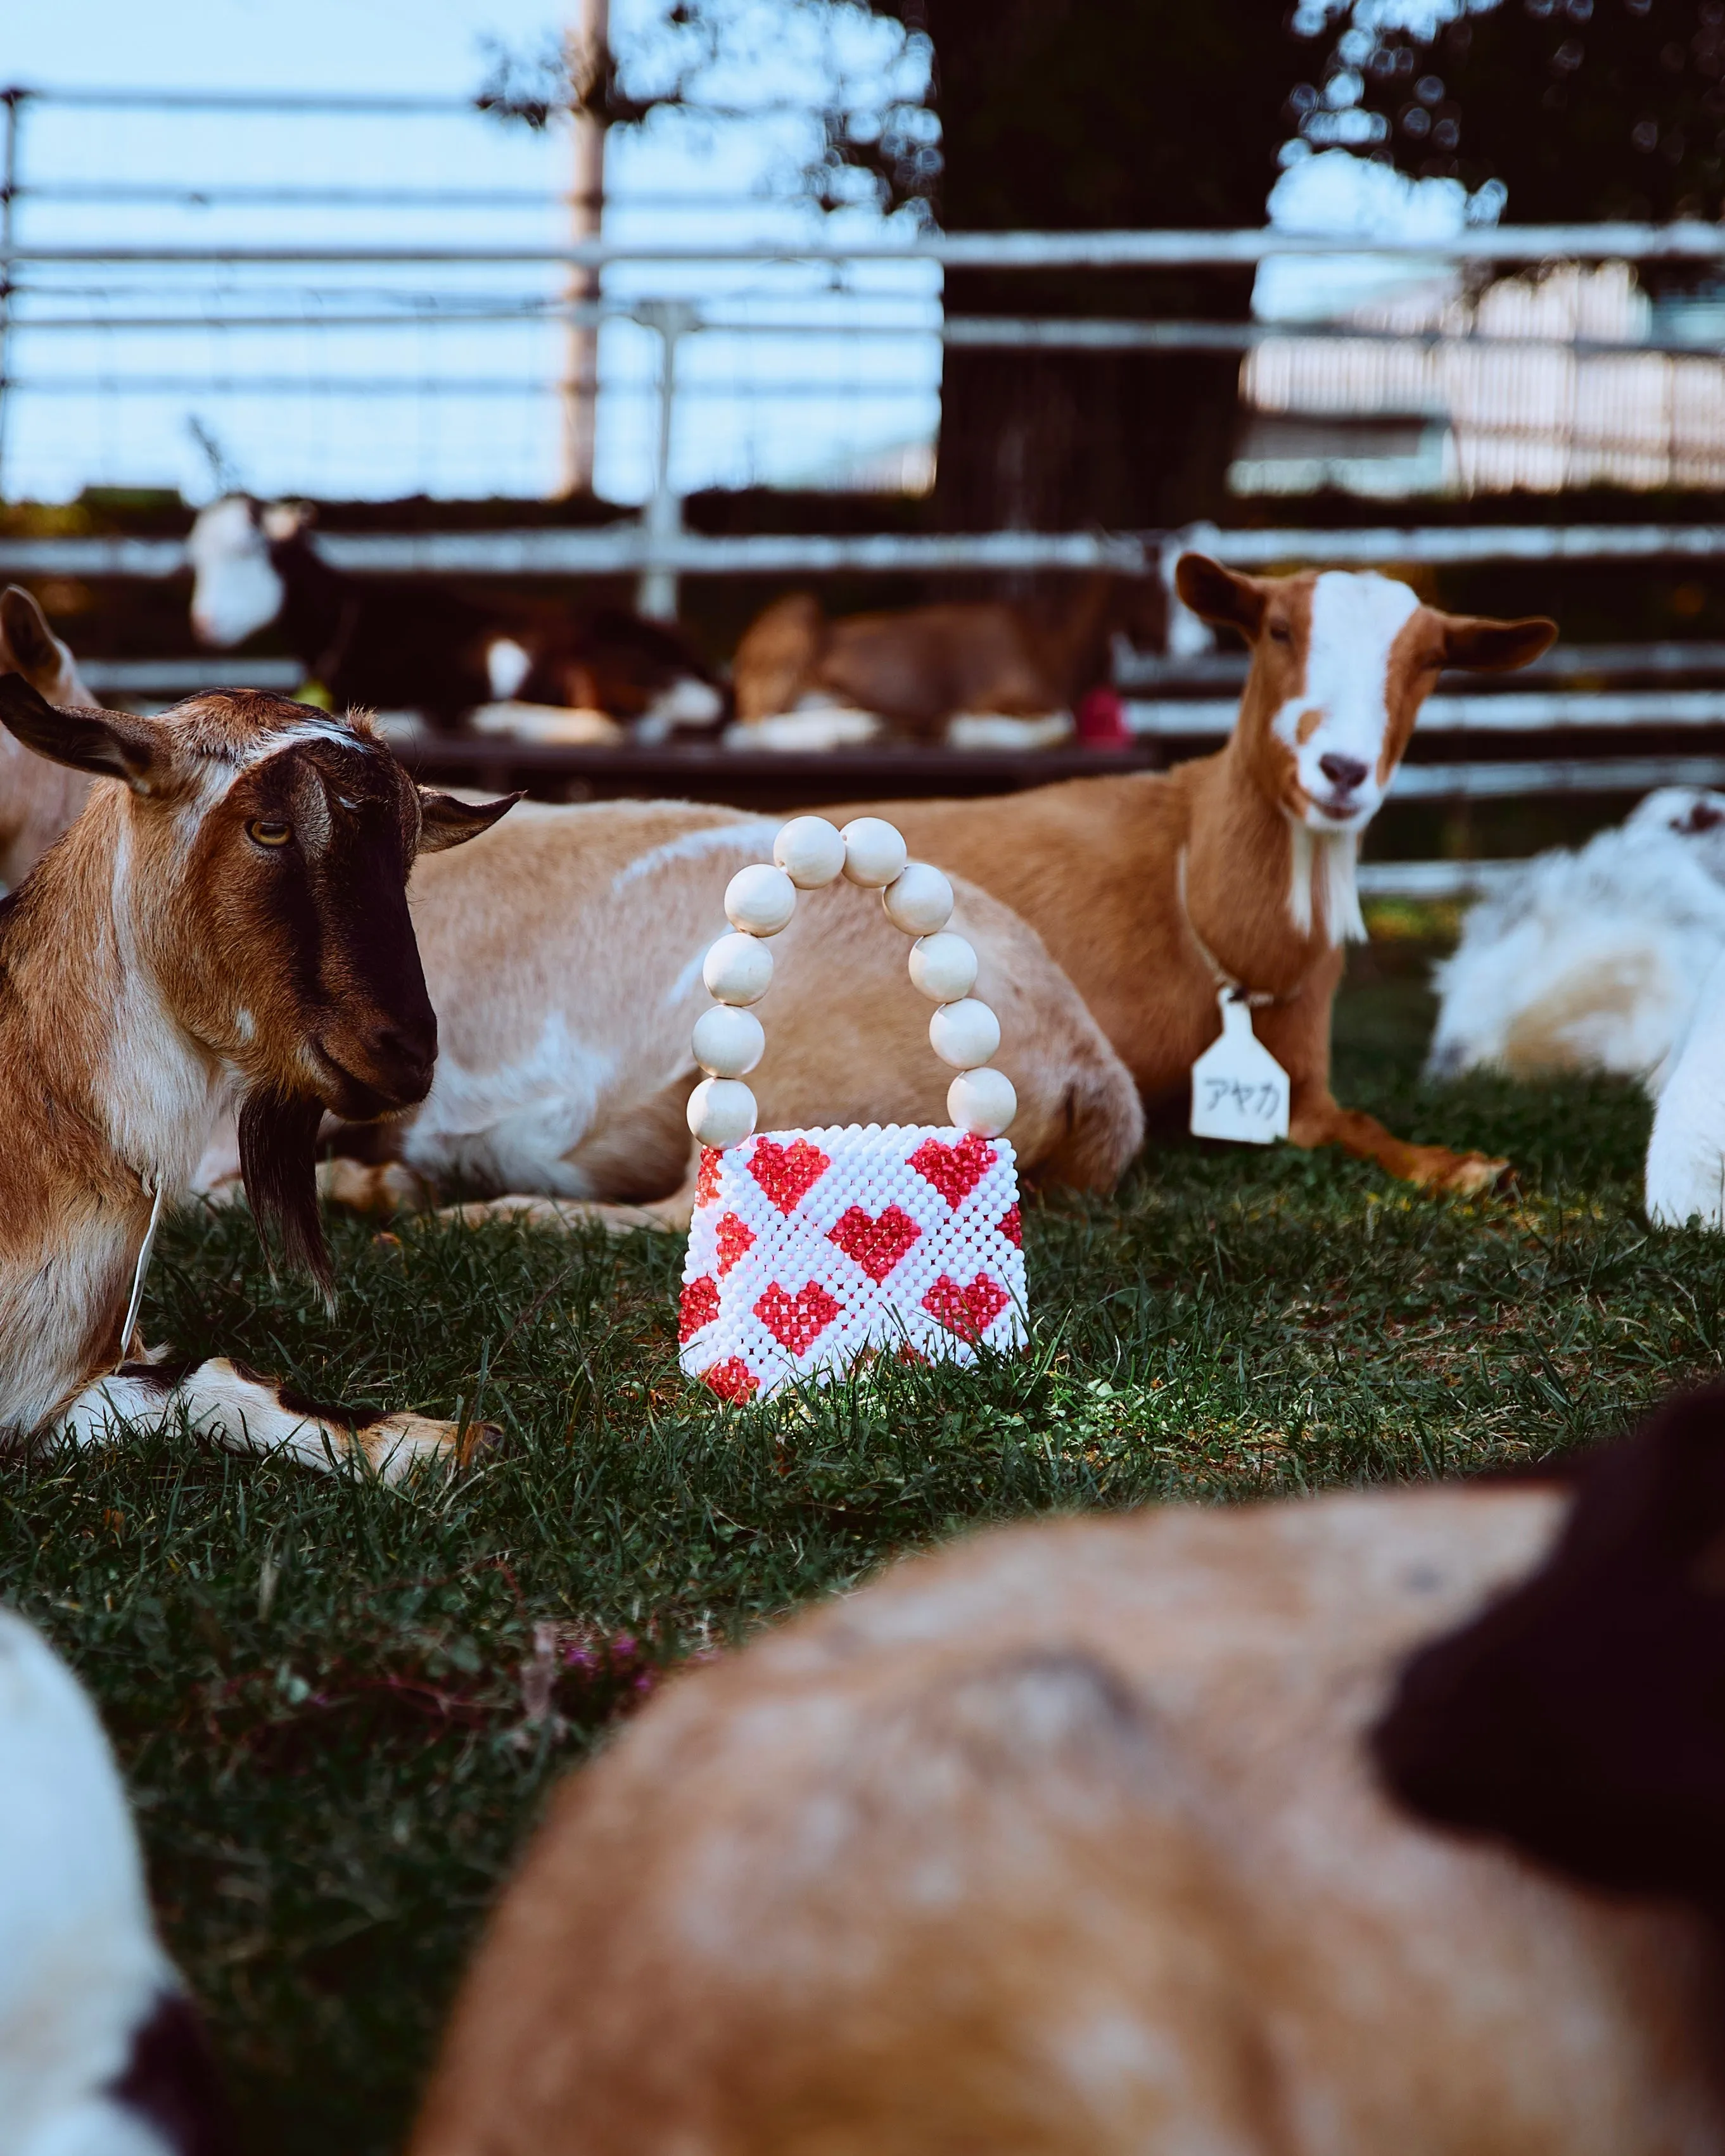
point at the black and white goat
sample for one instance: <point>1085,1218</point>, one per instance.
<point>227,918</point>
<point>101,2052</point>
<point>392,644</point>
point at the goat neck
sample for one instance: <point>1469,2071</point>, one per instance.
<point>84,1011</point>
<point>1247,868</point>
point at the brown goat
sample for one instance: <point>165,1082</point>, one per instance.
<point>921,668</point>
<point>1154,890</point>
<point>227,917</point>
<point>1072,1841</point>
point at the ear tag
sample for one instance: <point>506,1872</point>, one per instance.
<point>1239,1090</point>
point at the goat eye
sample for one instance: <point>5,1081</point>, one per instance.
<point>1280,633</point>
<point>266,831</point>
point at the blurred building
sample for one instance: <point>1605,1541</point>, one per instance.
<point>1453,391</point>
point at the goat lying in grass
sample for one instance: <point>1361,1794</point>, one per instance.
<point>1591,960</point>
<point>401,645</point>
<point>37,800</point>
<point>979,674</point>
<point>563,956</point>
<point>101,2053</point>
<point>1139,1833</point>
<point>1155,891</point>
<point>228,913</point>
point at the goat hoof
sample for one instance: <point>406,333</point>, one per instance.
<point>359,1187</point>
<point>479,1440</point>
<point>1474,1174</point>
<point>399,1446</point>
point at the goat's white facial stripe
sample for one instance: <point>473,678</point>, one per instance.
<point>1355,622</point>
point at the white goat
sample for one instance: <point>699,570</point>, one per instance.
<point>1591,960</point>
<point>100,2051</point>
<point>1686,1152</point>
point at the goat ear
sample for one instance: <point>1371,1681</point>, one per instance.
<point>1581,1716</point>
<point>110,744</point>
<point>445,822</point>
<point>1217,595</point>
<point>25,637</point>
<point>1495,647</point>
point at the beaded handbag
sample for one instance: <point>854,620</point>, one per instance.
<point>810,1250</point>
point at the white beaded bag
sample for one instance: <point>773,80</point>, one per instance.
<point>809,1250</point>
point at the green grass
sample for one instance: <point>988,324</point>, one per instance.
<point>316,1686</point>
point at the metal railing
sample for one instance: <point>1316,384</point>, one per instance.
<point>141,288</point>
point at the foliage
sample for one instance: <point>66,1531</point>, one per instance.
<point>1580,109</point>
<point>339,1708</point>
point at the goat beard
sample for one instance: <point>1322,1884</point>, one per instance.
<point>277,1163</point>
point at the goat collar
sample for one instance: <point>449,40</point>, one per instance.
<point>1253,998</point>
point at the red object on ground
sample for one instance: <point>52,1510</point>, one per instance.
<point>1100,719</point>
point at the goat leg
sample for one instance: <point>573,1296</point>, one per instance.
<point>1319,1120</point>
<point>244,1412</point>
<point>665,1215</point>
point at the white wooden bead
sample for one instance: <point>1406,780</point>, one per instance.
<point>760,899</point>
<point>919,900</point>
<point>738,969</point>
<point>728,1042</point>
<point>874,851</point>
<point>722,1112</point>
<point>811,851</point>
<point>943,967</point>
<point>982,1100</point>
<point>964,1034</point>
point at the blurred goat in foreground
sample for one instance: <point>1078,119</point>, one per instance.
<point>101,2053</point>
<point>1386,1822</point>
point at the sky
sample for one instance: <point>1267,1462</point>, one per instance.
<point>111,405</point>
<point>466,408</point>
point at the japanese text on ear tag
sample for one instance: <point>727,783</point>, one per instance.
<point>1239,1090</point>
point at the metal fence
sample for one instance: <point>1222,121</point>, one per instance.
<point>755,303</point>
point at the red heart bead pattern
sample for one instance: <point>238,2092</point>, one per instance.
<point>955,1170</point>
<point>787,1173</point>
<point>734,1239</point>
<point>877,1245</point>
<point>733,1379</point>
<point>706,1184</point>
<point>798,1321</point>
<point>700,1306</point>
<point>1011,1224</point>
<point>968,1311</point>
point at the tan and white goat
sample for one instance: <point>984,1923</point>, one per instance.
<point>37,800</point>
<point>563,954</point>
<point>978,673</point>
<point>228,914</point>
<point>1125,1835</point>
<point>1155,890</point>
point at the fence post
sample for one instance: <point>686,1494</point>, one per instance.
<point>13,100</point>
<point>662,519</point>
